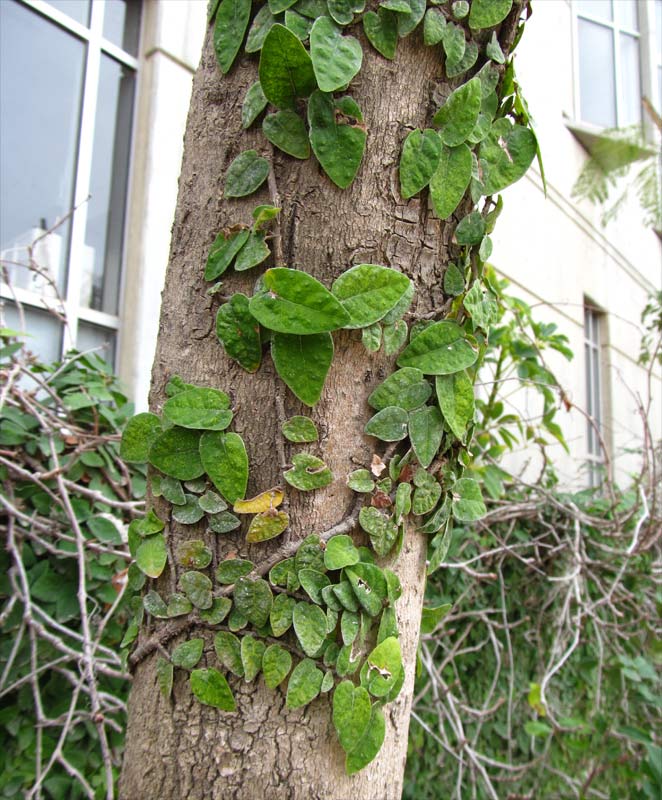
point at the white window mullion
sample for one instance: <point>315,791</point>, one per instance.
<point>84,169</point>
<point>618,82</point>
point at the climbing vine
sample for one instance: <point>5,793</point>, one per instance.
<point>320,612</point>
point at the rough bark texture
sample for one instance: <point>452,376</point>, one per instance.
<point>179,748</point>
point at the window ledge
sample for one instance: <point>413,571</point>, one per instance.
<point>589,136</point>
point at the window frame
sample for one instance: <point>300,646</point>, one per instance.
<point>69,304</point>
<point>595,391</point>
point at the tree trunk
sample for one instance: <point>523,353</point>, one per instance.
<point>180,748</point>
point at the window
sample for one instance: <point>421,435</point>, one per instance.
<point>67,85</point>
<point>593,322</point>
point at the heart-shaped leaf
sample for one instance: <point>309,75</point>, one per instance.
<point>211,688</point>
<point>300,429</point>
<point>454,45</point>
<point>432,616</point>
<point>440,349</point>
<point>308,473</point>
<point>280,616</point>
<point>351,714</point>
<point>302,362</point>
<point>455,68</point>
<point>230,570</point>
<point>310,627</point>
<point>313,581</point>
<point>253,599</point>
<point>426,493</point>
<point>342,11</point>
<point>360,481</point>
<point>226,462</point>
<point>223,522</point>
<point>368,292</point>
<point>304,684</point>
<point>298,24</point>
<point>193,554</point>
<point>187,654</point>
<point>245,174</point>
<point>405,388</point>
<point>190,512</point>
<point>254,103</point>
<point>286,130</point>
<point>426,429</point>
<point>153,604</point>
<point>389,424</point>
<point>176,452</point>
<point>228,652</point>
<point>278,6</point>
<point>395,337</point>
<point>408,22</point>
<point>434,27</point>
<point>382,667</point>
<point>219,610</point>
<point>488,13</point>
<point>419,160</point>
<point>200,409</point>
<point>380,528</point>
<point>265,501</point>
<point>276,664</point>
<point>381,30</point>
<point>468,504</point>
<point>505,155</point>
<point>197,587</point>
<point>369,586</point>
<point>337,146</point>
<point>369,745</point>
<point>254,252</point>
<point>457,117</point>
<point>451,179</point>
<point>336,58</point>
<point>340,552</point>
<point>231,23</point>
<point>286,71</point>
<point>139,435</point>
<point>267,525</point>
<point>262,24</point>
<point>470,229</point>
<point>252,651</point>
<point>222,252</point>
<point>211,503</point>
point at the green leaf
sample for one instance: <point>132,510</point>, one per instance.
<point>426,493</point>
<point>151,555</point>
<point>310,554</point>
<point>432,616</point>
<point>380,528</point>
<point>536,728</point>
<point>223,522</point>
<point>148,525</point>
<point>302,363</point>
<point>454,45</point>
<point>230,570</point>
<point>200,409</point>
<point>169,488</point>
<point>223,251</point>
<point>338,147</point>
<point>388,625</point>
<point>313,581</point>
<point>345,595</point>
<point>308,473</point>
<point>280,616</point>
<point>468,504</point>
<point>231,23</point>
<point>212,503</point>
<point>286,71</point>
<point>267,525</point>
<point>493,50</point>
<point>340,552</point>
<point>211,688</point>
<point>254,103</point>
<point>299,25</point>
<point>139,435</point>
<point>197,587</point>
<point>262,215</point>
<point>405,388</point>
<point>245,174</point>
<point>455,394</point>
<point>228,652</point>
<point>312,8</point>
<point>105,530</point>
<point>440,349</point>
<point>450,181</point>
<point>457,117</point>
<point>419,160</point>
<point>336,58</point>
<point>304,684</point>
<point>401,307</point>
<point>253,599</point>
<point>369,586</point>
<point>276,664</point>
<point>226,462</point>
<point>310,627</point>
<point>371,337</point>
<point>193,554</point>
<point>360,481</point>
<point>453,280</point>
<point>455,68</point>
<point>389,424</point>
<point>402,502</point>
<point>300,429</point>
<point>381,30</point>
<point>262,24</point>
<point>254,252</point>
<point>287,131</point>
<point>164,676</point>
<point>460,9</point>
<point>382,667</point>
<point>252,651</point>
<point>505,155</point>
<point>426,429</point>
<point>342,11</point>
<point>239,332</point>
<point>370,743</point>
<point>294,302</point>
<point>152,602</point>
<point>470,229</point>
<point>368,292</point>
<point>351,714</point>
<point>488,13</point>
<point>482,307</point>
<point>434,27</point>
<point>178,605</point>
<point>395,337</point>
<point>187,654</point>
<point>408,22</point>
<point>349,626</point>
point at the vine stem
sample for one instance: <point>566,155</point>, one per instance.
<point>277,238</point>
<point>287,550</point>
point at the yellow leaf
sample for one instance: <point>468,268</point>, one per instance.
<point>264,501</point>
<point>535,699</point>
<point>267,526</point>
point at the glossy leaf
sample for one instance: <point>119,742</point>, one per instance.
<point>369,586</point>
<point>262,24</point>
<point>457,117</point>
<point>230,570</point>
<point>304,684</point>
<point>310,627</point>
<point>267,525</point>
<point>389,424</point>
<point>245,174</point>
<point>280,616</point>
<point>210,687</point>
<point>440,349</point>
<point>139,434</point>
<point>337,146</point>
<point>426,429</point>
<point>286,130</point>
<point>151,555</point>
<point>253,599</point>
<point>308,473</point>
<point>405,388</point>
<point>254,252</point>
<point>455,395</point>
<point>226,462</point>
<point>360,481</point>
<point>302,363</point>
<point>286,71</point>
<point>368,292</point>
<point>200,409</point>
<point>254,104</point>
<point>351,714</point>
<point>229,30</point>
<point>228,652</point>
<point>488,13</point>
<point>506,154</point>
<point>276,664</point>
<point>223,251</point>
<point>187,654</point>
<point>369,745</point>
<point>300,429</point>
<point>381,30</point>
<point>419,160</point>
<point>340,552</point>
<point>380,528</point>
<point>252,651</point>
<point>197,587</point>
<point>336,58</point>
<point>451,179</point>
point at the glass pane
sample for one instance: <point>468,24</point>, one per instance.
<point>600,9</point>
<point>121,23</point>
<point>108,188</point>
<point>38,134</point>
<point>630,110</point>
<point>92,337</point>
<point>45,339</point>
<point>76,9</point>
<point>658,28</point>
<point>626,14</point>
<point>597,95</point>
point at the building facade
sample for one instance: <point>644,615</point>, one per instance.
<point>94,98</point>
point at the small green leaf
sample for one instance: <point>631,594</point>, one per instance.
<point>432,616</point>
<point>223,522</point>
<point>310,627</point>
<point>368,292</point>
<point>211,688</point>
<point>267,525</point>
<point>302,362</point>
<point>488,13</point>
<point>193,554</point>
<point>230,570</point>
<point>151,555</point>
<point>382,667</point>
<point>178,605</point>
<point>164,676</point>
<point>139,435</point>
<point>262,24</point>
<point>172,490</point>
<point>455,68</point>
<point>300,429</point>
<point>304,684</point>
<point>351,714</point>
<point>434,27</point>
<point>252,651</point>
<point>212,503</point>
<point>408,22</point>
<point>482,307</point>
<point>389,424</point>
<point>457,117</point>
<point>262,215</point>
<point>440,349</point>
<point>453,280</point>
<point>342,11</point>
<point>280,616</point>
<point>245,174</point>
<point>187,654</point>
<point>286,71</point>
<point>349,626</point>
<point>197,587</point>
<point>468,504</point>
<point>206,409</point>
<point>222,252</point>
<point>313,581</point>
<point>388,625</point>
<point>369,586</point>
<point>405,388</point>
<point>426,429</point>
<point>419,160</point>
<point>402,505</point>
<point>219,610</point>
<point>493,50</point>
<point>340,552</point>
<point>360,481</point>
<point>294,302</point>
<point>380,528</point>
<point>226,462</point>
<point>336,58</point>
<point>254,252</point>
<point>338,147</point>
<point>470,229</point>
<point>426,493</point>
<point>371,337</point>
<point>190,512</point>
<point>286,130</point>
<point>505,155</point>
<point>254,104</point>
<point>153,604</point>
<point>381,30</point>
<point>253,599</point>
<point>229,30</point>
<point>276,664</point>
<point>455,394</point>
<point>370,743</point>
<point>308,473</point>
<point>298,24</point>
<point>450,181</point>
<point>228,652</point>
<point>239,332</point>
<point>460,9</point>
<point>395,337</point>
<point>454,45</point>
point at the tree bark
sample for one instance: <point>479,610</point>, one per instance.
<point>180,748</point>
